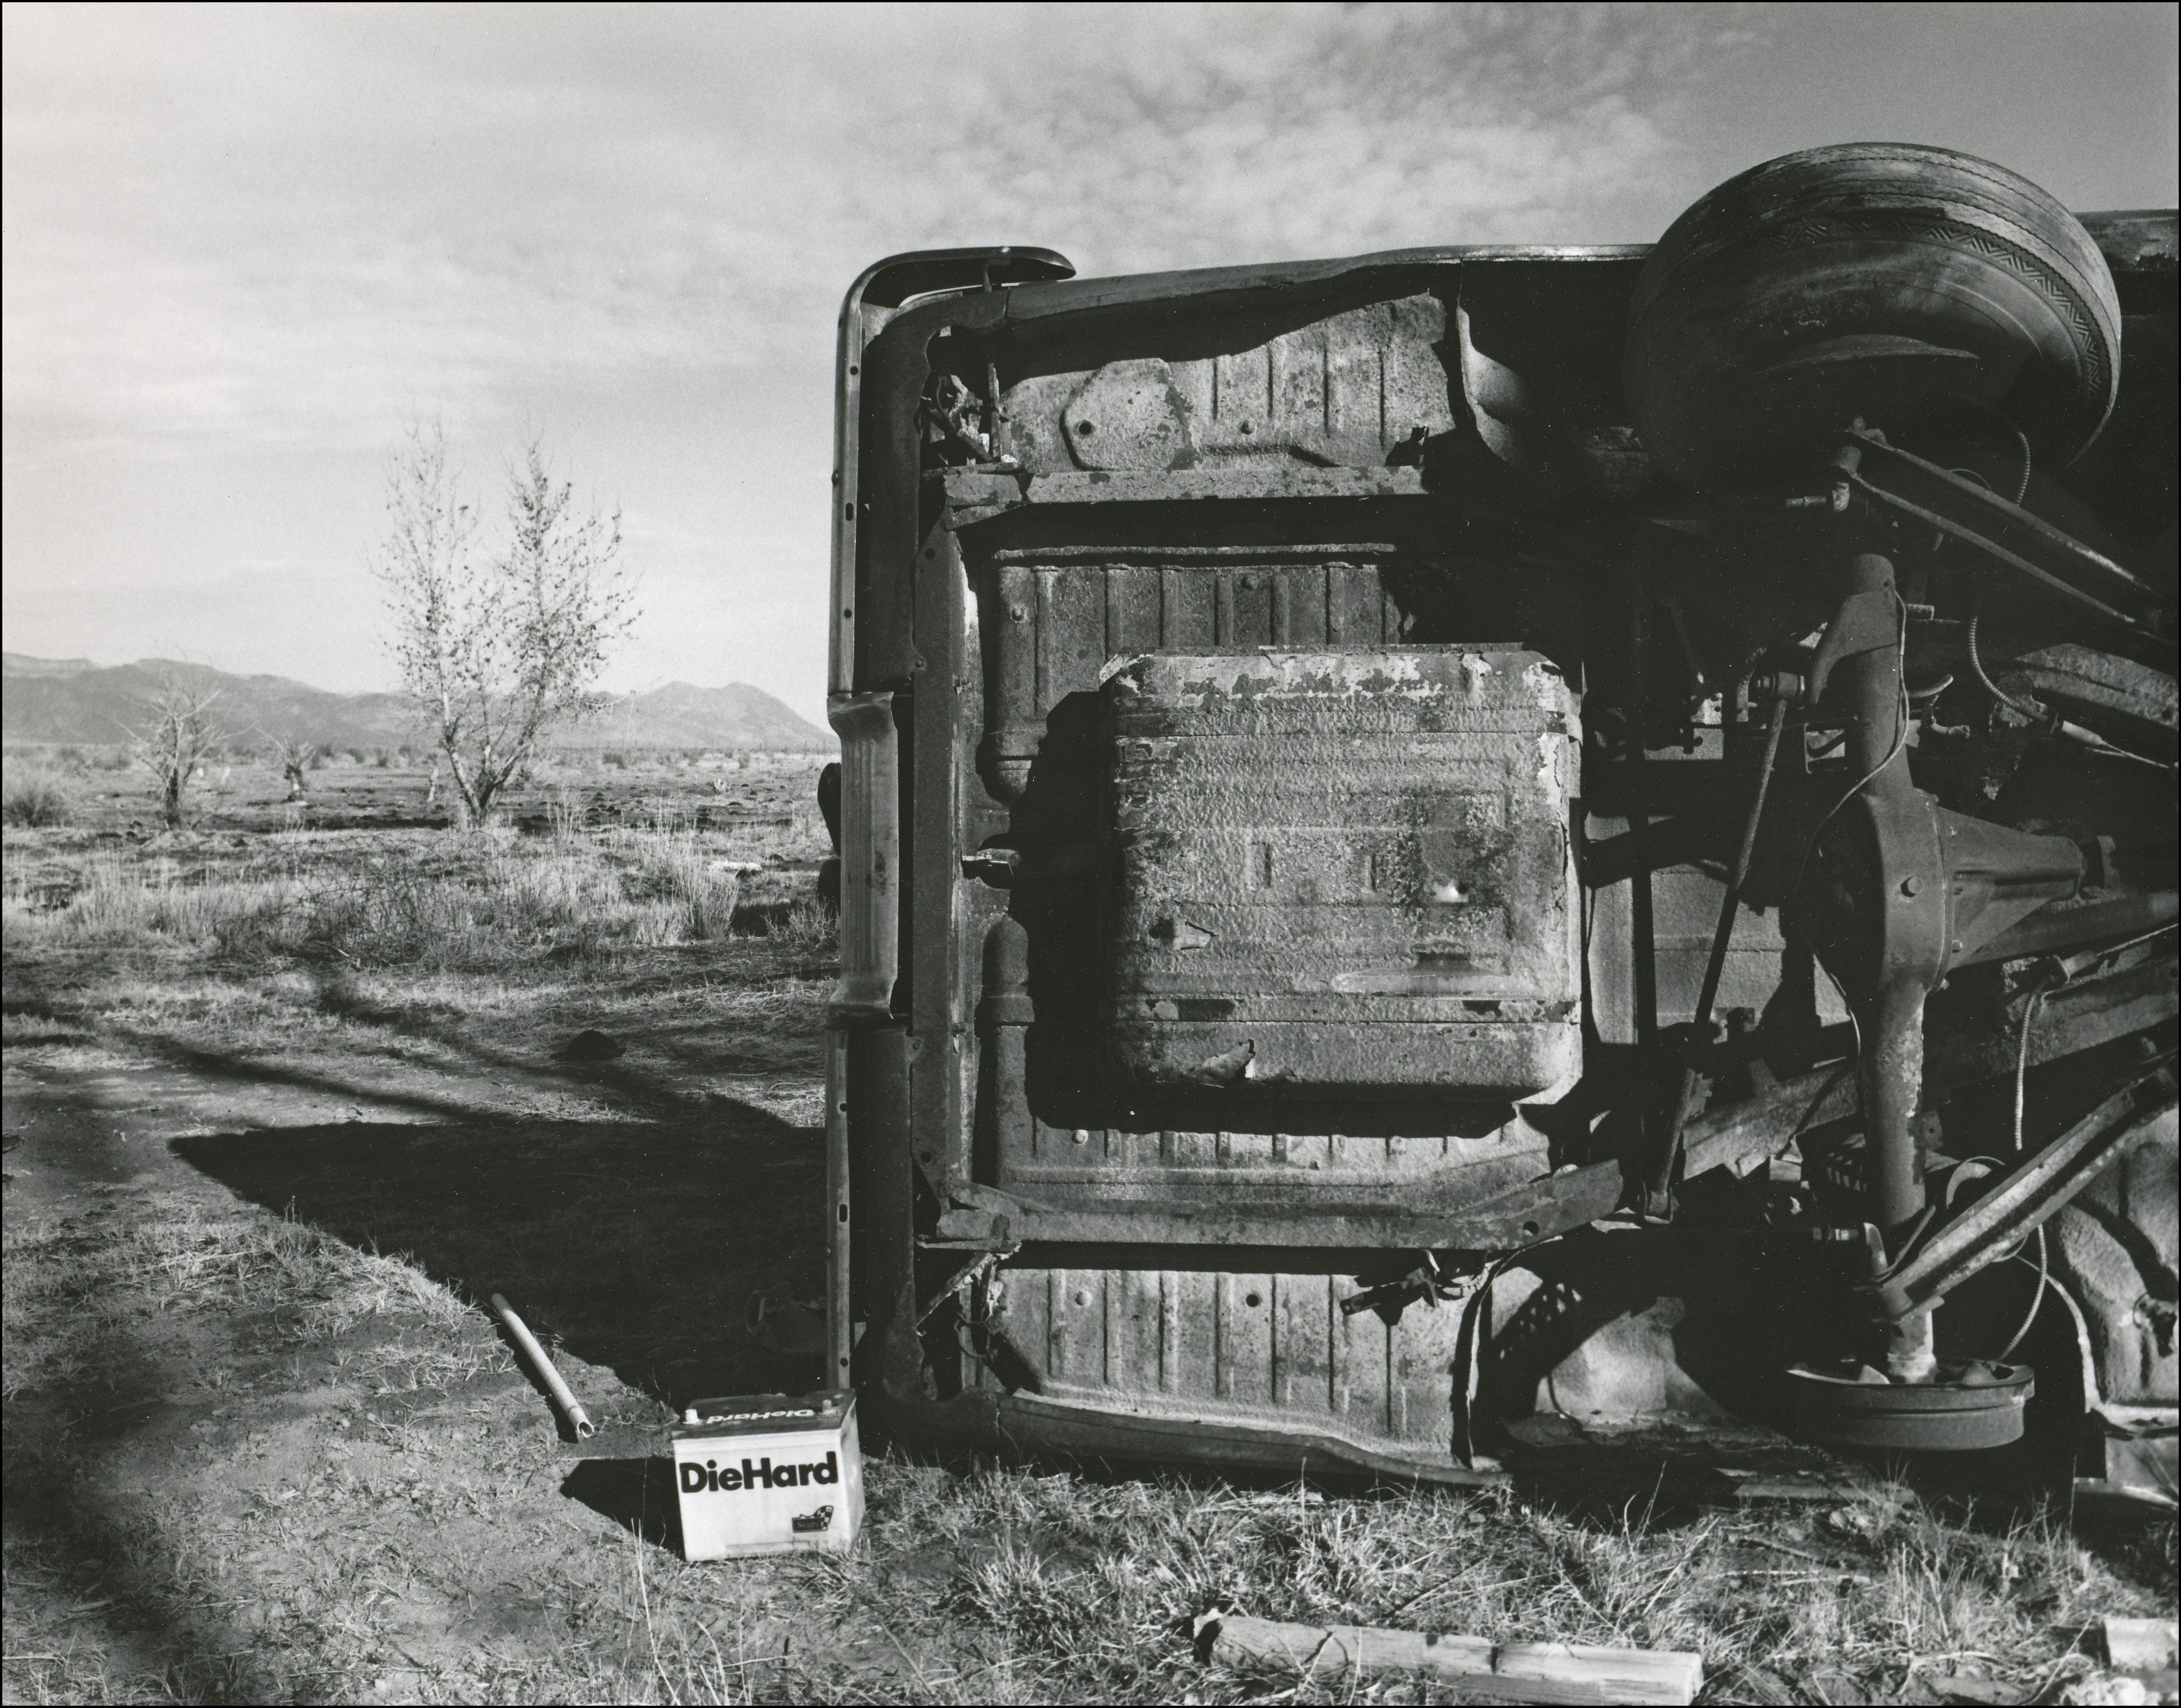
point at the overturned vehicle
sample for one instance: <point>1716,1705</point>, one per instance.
<point>1482,846</point>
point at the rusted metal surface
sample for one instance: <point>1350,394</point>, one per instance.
<point>1685,901</point>
<point>1241,1170</point>
<point>1051,621</point>
<point>976,495</point>
<point>1973,1407</point>
<point>840,1291</point>
<point>1184,1213</point>
<point>2139,1114</point>
<point>879,288</point>
<point>1391,455</point>
<point>1342,392</point>
<point>1075,1163</point>
<point>2117,1248</point>
<point>871,856</point>
<point>2008,535</point>
<point>2133,999</point>
<point>1273,1348</point>
<point>2080,677</point>
<point>1276,1349</point>
<point>1344,871</point>
<point>1027,1423</point>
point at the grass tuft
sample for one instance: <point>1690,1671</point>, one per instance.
<point>475,902</point>
<point>31,798</point>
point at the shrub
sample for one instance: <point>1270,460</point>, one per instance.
<point>809,928</point>
<point>503,901</point>
<point>35,799</point>
<point>565,814</point>
<point>693,895</point>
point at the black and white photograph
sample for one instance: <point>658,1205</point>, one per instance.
<point>1176,853</point>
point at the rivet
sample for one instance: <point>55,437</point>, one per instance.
<point>1081,1135</point>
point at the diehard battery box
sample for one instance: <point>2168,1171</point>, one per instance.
<point>769,1474</point>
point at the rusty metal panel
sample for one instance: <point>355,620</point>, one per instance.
<point>1007,619</point>
<point>1186,620</point>
<point>1685,911</point>
<point>1052,626</point>
<point>1133,596</point>
<point>1344,871</point>
<point>1071,634</point>
<point>870,855</point>
<point>1240,1169</point>
<point>1344,392</point>
<point>1299,605</point>
<point>1264,1348</point>
<point>1622,1369</point>
<point>1601,1334</point>
<point>2117,1246</point>
<point>1354,606</point>
<point>1245,608</point>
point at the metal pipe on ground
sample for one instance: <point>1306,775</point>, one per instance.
<point>563,1396</point>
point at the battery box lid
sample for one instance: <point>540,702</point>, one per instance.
<point>765,1414</point>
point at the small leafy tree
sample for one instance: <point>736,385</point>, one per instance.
<point>497,646</point>
<point>173,735</point>
<point>294,757</point>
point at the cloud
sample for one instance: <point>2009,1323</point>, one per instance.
<point>241,245</point>
<point>271,223</point>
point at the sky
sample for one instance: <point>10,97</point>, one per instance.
<point>243,248</point>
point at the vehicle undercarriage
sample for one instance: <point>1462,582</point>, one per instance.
<point>1458,844</point>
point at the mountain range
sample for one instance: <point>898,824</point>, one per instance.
<point>74,702</point>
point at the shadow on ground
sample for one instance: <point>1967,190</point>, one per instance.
<point>637,1495</point>
<point>636,1245</point>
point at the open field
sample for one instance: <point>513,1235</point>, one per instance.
<point>286,1098</point>
<point>382,788</point>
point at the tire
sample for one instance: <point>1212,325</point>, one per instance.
<point>1878,280</point>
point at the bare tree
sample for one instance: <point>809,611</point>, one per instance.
<point>174,734</point>
<point>497,646</point>
<point>293,755</point>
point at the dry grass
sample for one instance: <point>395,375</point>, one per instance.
<point>308,1563</point>
<point>487,900</point>
<point>251,1456</point>
<point>32,797</point>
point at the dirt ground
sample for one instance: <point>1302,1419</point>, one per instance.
<point>260,1402</point>
<point>270,1150</point>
